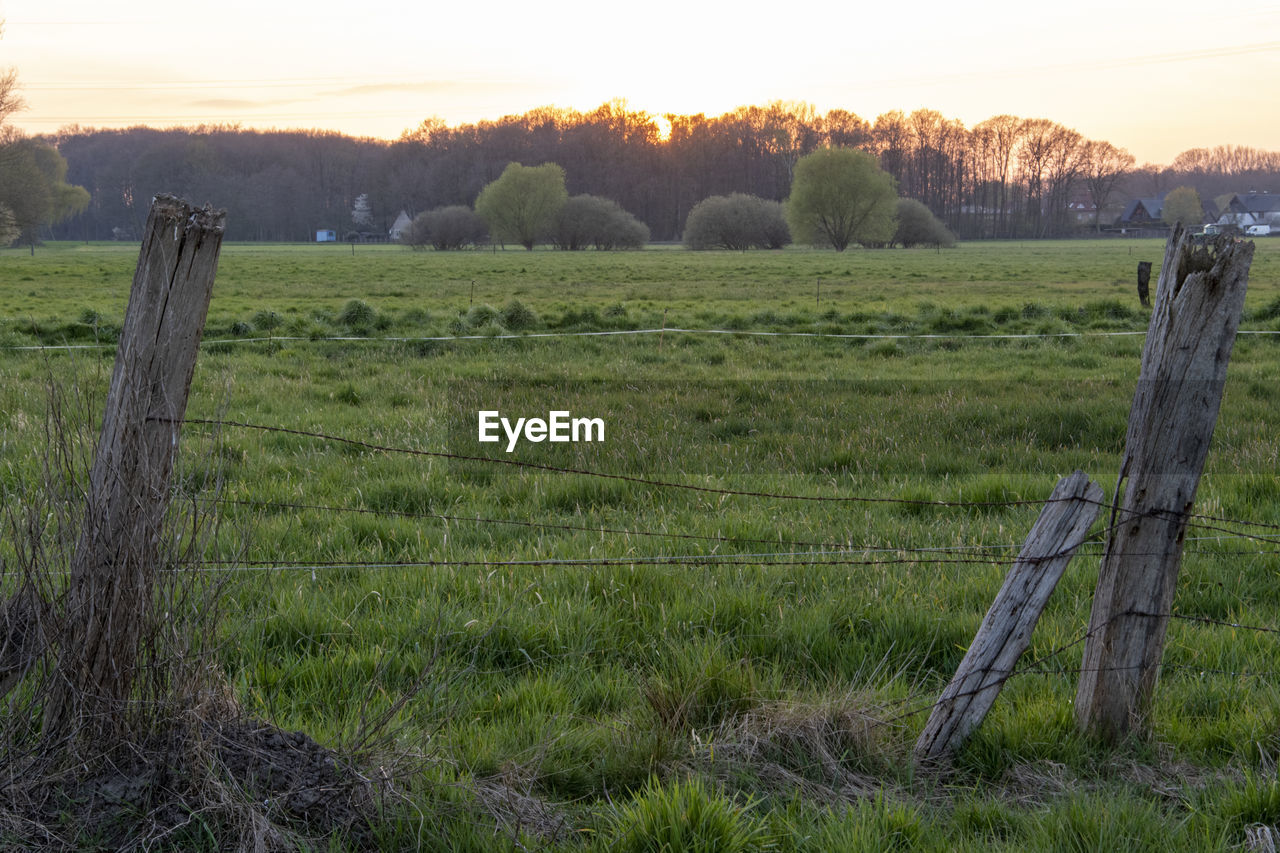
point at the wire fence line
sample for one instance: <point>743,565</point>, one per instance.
<point>845,547</point>
<point>818,553</point>
<point>1038,667</point>
<point>1192,519</point>
<point>888,336</point>
<point>644,481</point>
<point>832,554</point>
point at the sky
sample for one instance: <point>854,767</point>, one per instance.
<point>1156,78</point>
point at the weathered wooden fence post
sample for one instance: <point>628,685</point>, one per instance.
<point>1198,303</point>
<point>1006,630</point>
<point>112,572</point>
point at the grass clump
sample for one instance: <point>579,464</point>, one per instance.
<point>357,314</point>
<point>517,316</point>
<point>877,825</point>
<point>481,315</point>
<point>700,689</point>
<point>266,320</point>
<point>685,815</point>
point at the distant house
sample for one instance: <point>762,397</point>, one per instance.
<point>1142,211</point>
<point>1081,208</point>
<point>400,227</point>
<point>1245,210</point>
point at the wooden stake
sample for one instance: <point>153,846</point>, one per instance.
<point>1006,630</point>
<point>116,558</point>
<point>1198,303</point>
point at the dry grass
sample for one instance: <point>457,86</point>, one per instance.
<point>186,769</point>
<point>830,752</point>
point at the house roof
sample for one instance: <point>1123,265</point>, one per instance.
<point>1255,203</point>
<point>1151,205</point>
<point>402,222</point>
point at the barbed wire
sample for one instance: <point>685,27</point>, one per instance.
<point>846,547</point>
<point>763,559</point>
<point>645,481</point>
<point>1193,520</point>
<point>674,330</point>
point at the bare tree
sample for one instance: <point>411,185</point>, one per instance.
<point>791,130</point>
<point>1034,153</point>
<point>1105,164</point>
<point>1065,164</point>
<point>843,129</point>
<point>891,141</point>
<point>1002,135</point>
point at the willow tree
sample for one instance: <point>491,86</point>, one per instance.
<point>522,204</point>
<point>1182,205</point>
<point>33,188</point>
<point>842,196</point>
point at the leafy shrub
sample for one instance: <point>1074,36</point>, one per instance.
<point>444,228</point>
<point>917,226</point>
<point>587,220</point>
<point>738,222</point>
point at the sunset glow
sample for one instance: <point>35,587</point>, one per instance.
<point>1145,76</point>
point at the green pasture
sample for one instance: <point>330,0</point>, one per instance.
<point>635,656</point>
<point>77,291</point>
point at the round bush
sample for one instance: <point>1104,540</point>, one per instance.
<point>736,221</point>
<point>445,228</point>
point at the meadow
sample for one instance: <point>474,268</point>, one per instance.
<point>866,436</point>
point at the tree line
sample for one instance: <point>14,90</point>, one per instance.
<point>1006,177</point>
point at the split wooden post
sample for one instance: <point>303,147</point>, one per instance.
<point>1006,630</point>
<point>113,569</point>
<point>1198,303</point>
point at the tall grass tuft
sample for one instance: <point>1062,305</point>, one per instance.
<point>687,816</point>
<point>357,314</point>
<point>517,316</point>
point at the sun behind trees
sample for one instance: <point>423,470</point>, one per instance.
<point>1007,177</point>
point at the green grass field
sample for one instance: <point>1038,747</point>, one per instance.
<point>630,654</point>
